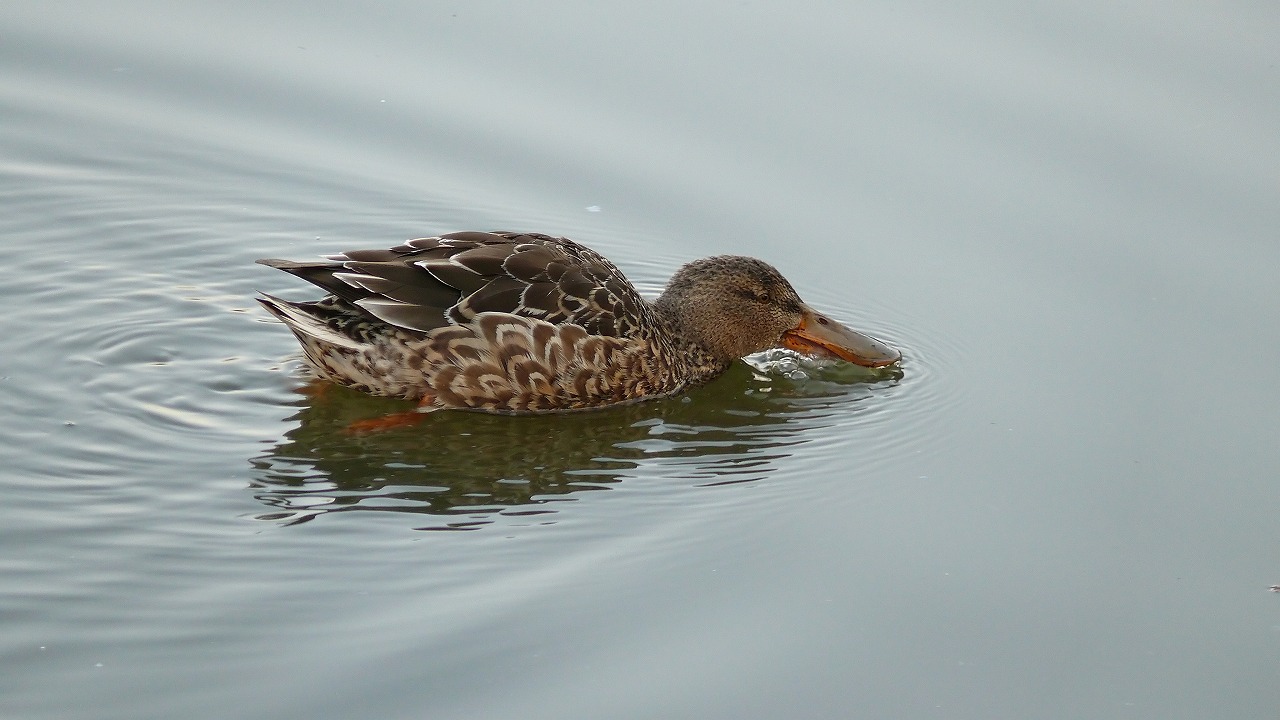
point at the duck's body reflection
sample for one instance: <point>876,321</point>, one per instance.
<point>467,469</point>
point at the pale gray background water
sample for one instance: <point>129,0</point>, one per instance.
<point>1066,214</point>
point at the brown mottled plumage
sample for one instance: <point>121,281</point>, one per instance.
<point>521,322</point>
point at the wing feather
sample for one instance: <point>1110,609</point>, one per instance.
<point>428,283</point>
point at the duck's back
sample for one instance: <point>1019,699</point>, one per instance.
<point>498,321</point>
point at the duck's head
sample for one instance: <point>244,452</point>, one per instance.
<point>735,306</point>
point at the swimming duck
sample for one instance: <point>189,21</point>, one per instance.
<point>522,323</point>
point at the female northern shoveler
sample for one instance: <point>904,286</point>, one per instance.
<point>518,322</point>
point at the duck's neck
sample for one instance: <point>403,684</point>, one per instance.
<point>696,361</point>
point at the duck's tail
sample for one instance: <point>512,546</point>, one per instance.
<point>310,322</point>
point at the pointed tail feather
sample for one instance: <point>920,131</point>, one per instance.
<point>304,323</point>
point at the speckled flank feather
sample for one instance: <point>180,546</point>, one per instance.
<point>498,362</point>
<point>520,322</point>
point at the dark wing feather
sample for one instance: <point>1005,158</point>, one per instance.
<point>501,294</point>
<point>486,260</point>
<point>402,282</point>
<point>430,282</point>
<point>320,274</point>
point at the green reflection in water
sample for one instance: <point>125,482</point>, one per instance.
<point>467,469</point>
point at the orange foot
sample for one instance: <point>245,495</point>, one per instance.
<point>386,422</point>
<point>315,388</point>
<point>394,420</point>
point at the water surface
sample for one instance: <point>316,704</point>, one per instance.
<point>1064,507</point>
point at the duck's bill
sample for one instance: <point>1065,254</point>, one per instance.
<point>820,335</point>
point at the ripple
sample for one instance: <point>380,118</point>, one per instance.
<point>165,343</point>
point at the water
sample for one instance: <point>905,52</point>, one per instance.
<point>1064,507</point>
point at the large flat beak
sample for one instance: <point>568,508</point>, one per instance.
<point>818,334</point>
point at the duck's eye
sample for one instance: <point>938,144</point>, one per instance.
<point>754,296</point>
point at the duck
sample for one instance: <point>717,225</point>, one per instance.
<point>521,323</point>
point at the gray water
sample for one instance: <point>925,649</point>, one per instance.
<point>1066,507</point>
